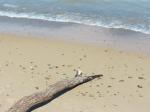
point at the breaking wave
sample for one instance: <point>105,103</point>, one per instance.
<point>77,19</point>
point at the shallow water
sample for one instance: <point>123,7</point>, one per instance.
<point>93,35</point>
<point>126,14</point>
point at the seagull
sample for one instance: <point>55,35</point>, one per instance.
<point>78,73</point>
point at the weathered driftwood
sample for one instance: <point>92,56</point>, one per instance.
<point>38,99</point>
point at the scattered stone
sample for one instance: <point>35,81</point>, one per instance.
<point>23,68</point>
<point>49,64</point>
<point>6,64</point>
<point>37,88</point>
<point>121,80</point>
<point>115,94</point>
<point>140,77</point>
<point>69,65</point>
<point>140,95</point>
<point>97,85</point>
<point>84,56</point>
<point>50,67</point>
<point>97,92</point>
<point>106,50</point>
<point>80,59</point>
<point>115,105</point>
<point>112,78</point>
<point>83,94</point>
<point>126,65</point>
<point>99,96</point>
<point>74,70</point>
<point>130,77</point>
<point>32,76</point>
<point>35,66</point>
<point>63,65</point>
<point>47,78</point>
<point>109,86</point>
<point>139,86</point>
<point>79,67</point>
<point>137,91</point>
<point>56,67</point>
<point>107,92</point>
<point>31,62</point>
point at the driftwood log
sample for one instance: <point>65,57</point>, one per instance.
<point>38,99</point>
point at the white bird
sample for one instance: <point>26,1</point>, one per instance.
<point>78,73</point>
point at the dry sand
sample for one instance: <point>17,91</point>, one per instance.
<point>28,65</point>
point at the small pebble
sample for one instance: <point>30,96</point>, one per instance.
<point>121,80</point>
<point>140,77</point>
<point>139,86</point>
<point>109,86</point>
<point>36,87</point>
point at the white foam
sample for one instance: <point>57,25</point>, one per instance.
<point>10,5</point>
<point>65,18</point>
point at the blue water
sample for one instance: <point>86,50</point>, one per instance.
<point>127,14</point>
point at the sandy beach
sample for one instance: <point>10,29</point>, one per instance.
<point>45,41</point>
<point>31,64</point>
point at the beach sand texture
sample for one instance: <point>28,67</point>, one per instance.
<point>28,65</point>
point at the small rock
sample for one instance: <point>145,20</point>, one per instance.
<point>109,86</point>
<point>49,64</point>
<point>121,80</point>
<point>139,86</point>
<point>140,77</point>
<point>83,94</point>
<point>47,78</point>
<point>56,66</point>
<point>97,85</point>
<point>130,77</point>
<point>36,87</point>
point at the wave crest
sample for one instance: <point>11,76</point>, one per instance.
<point>79,20</point>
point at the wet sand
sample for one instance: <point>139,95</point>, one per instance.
<point>30,64</point>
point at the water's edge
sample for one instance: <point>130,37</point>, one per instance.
<point>110,37</point>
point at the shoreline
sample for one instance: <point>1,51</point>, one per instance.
<point>112,38</point>
<point>72,42</point>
